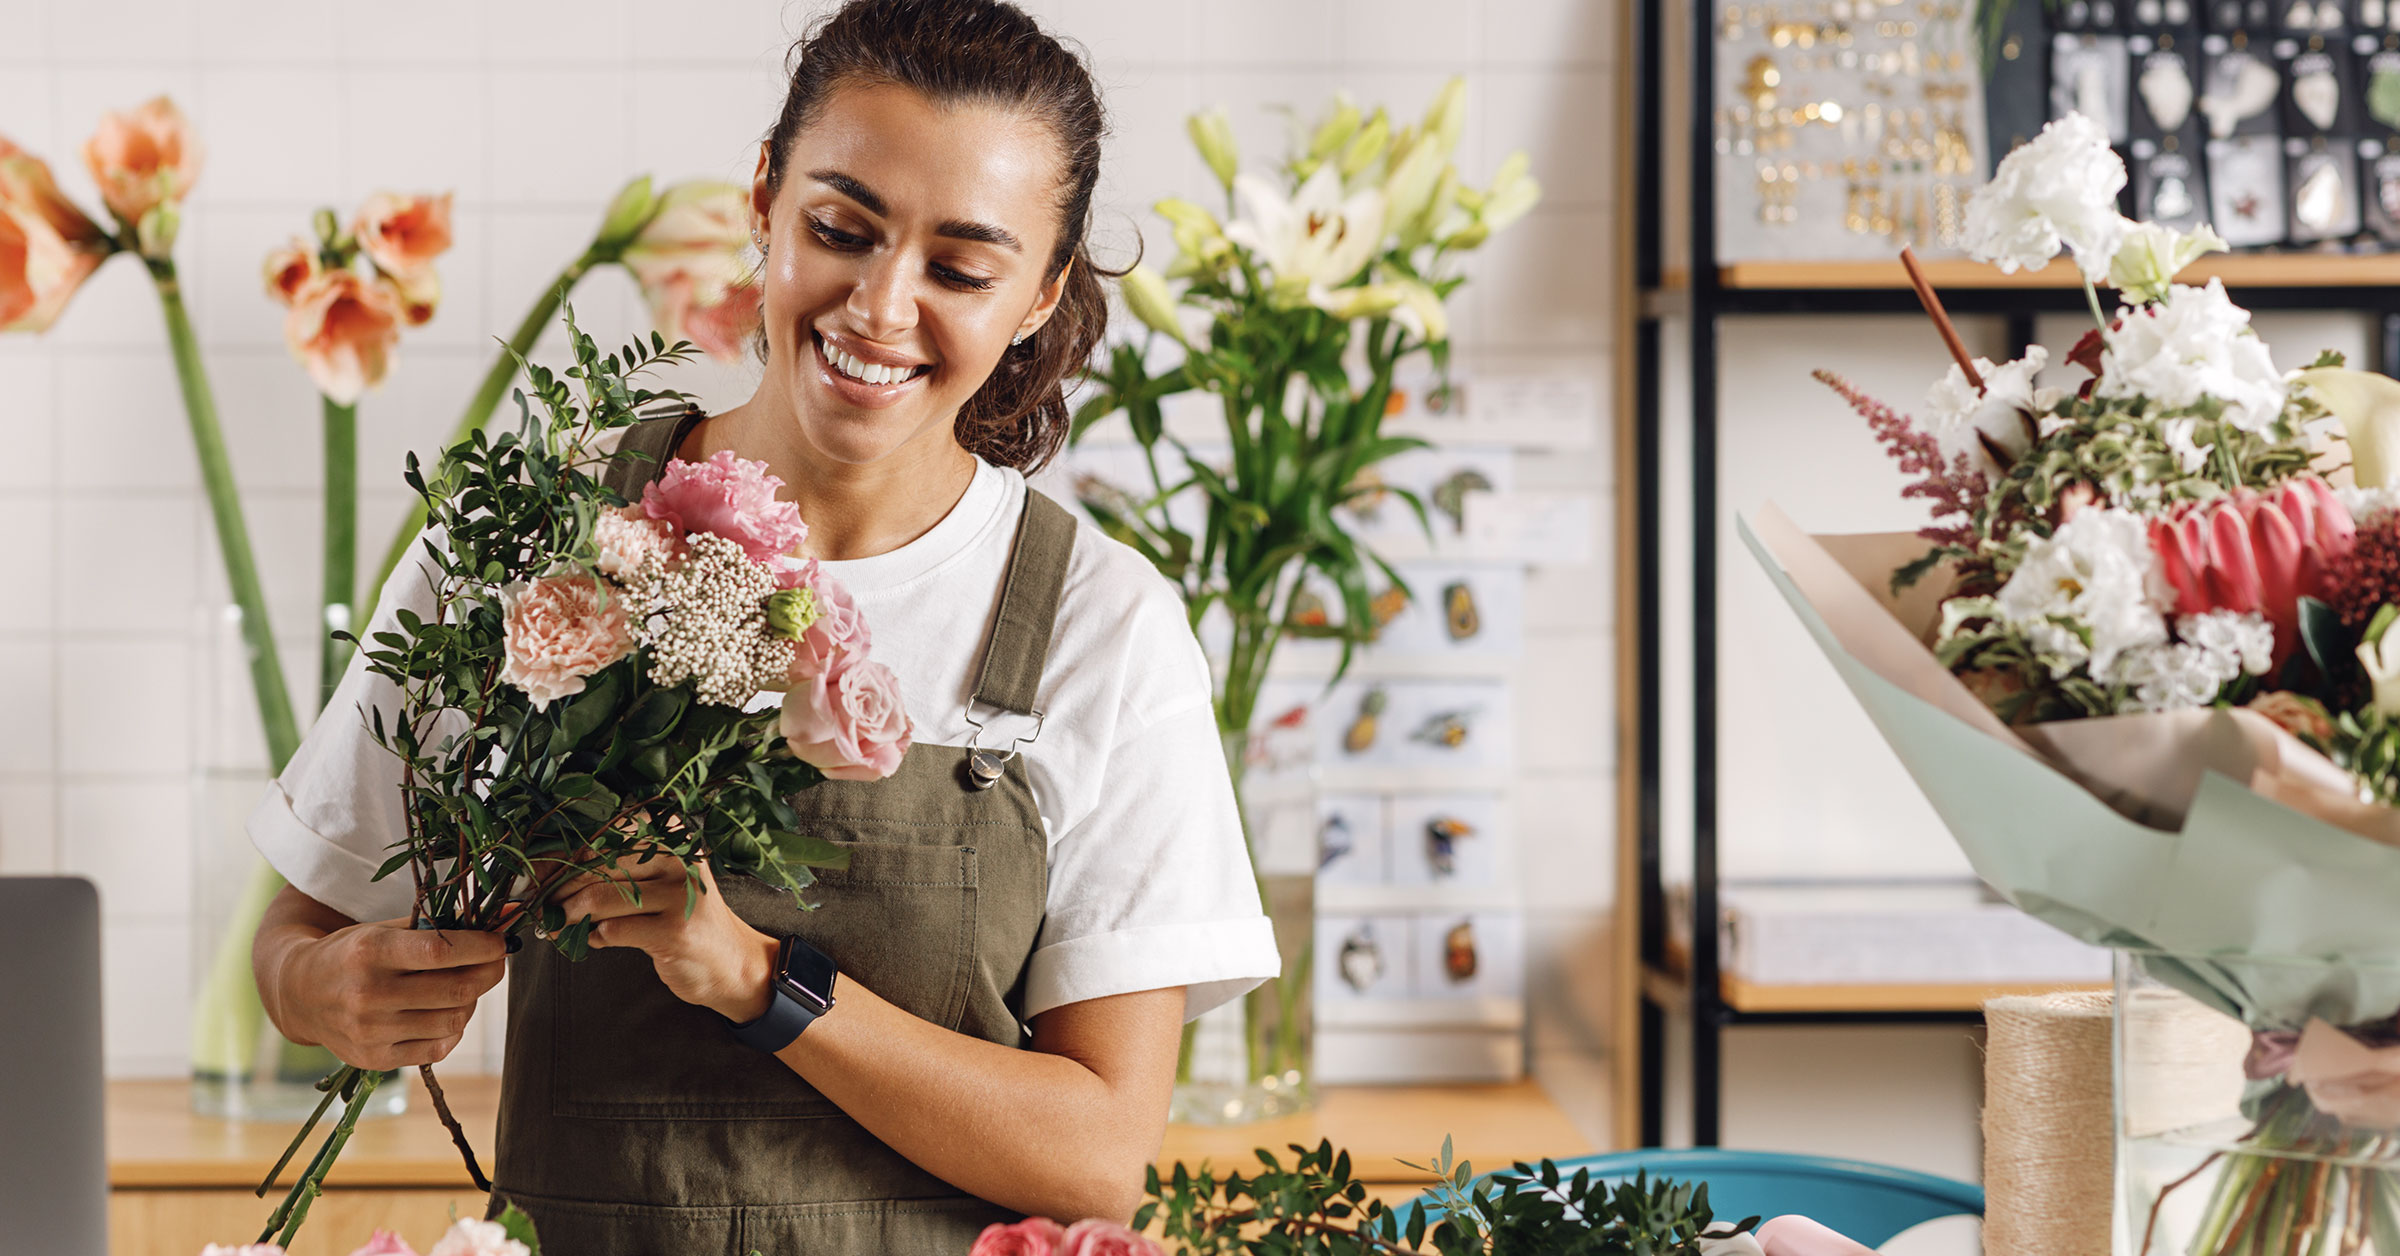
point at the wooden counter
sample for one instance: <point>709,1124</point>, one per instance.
<point>179,1181</point>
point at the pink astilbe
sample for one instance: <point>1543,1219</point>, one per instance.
<point>1954,487</point>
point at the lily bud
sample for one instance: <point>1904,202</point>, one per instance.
<point>1367,147</point>
<point>2369,407</point>
<point>1415,171</point>
<point>1513,192</point>
<point>1212,134</point>
<point>1421,312</point>
<point>1418,229</point>
<point>1446,120</point>
<point>1336,130</point>
<point>1368,300</point>
<point>1147,296</point>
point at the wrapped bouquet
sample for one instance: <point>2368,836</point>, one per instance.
<point>2143,662</point>
<point>578,699</point>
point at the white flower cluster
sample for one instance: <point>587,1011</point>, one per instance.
<point>2215,648</point>
<point>2096,571</point>
<point>2060,188</point>
<point>2195,343</point>
<point>2005,412</point>
<point>706,620</point>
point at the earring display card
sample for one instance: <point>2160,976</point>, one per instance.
<point>2239,88</point>
<point>2324,191</point>
<point>2090,75</point>
<point>2163,15</point>
<point>2317,97</point>
<point>2165,85</point>
<point>1353,840</point>
<point>2320,17</point>
<point>2379,93</point>
<point>1470,955</point>
<point>2379,189</point>
<point>1365,957</point>
<point>1446,839</point>
<point>2090,15</point>
<point>2378,15</point>
<point>2245,189</point>
<point>2228,16</point>
<point>2168,187</point>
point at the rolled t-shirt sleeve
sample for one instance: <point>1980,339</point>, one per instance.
<point>329,821</point>
<point>1153,887</point>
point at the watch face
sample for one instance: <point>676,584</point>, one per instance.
<point>807,974</point>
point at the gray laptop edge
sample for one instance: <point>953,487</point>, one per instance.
<point>53,1154</point>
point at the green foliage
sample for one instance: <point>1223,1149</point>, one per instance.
<point>1319,1206</point>
<point>496,790</point>
<point>2367,742</point>
<point>518,1226</point>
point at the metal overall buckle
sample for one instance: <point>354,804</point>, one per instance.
<point>986,767</point>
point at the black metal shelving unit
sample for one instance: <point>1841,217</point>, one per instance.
<point>1698,301</point>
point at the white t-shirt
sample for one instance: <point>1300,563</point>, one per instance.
<point>1150,885</point>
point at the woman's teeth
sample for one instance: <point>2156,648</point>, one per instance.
<point>863,372</point>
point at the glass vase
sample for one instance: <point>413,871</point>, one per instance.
<point>242,1068</point>
<point>2258,1105</point>
<point>1252,1058</point>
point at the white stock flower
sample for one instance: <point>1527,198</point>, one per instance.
<point>2003,411</point>
<point>2194,343</point>
<point>2241,641</point>
<point>2169,677</point>
<point>2058,188</point>
<point>2098,571</point>
<point>1317,237</point>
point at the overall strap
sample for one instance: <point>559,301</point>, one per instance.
<point>643,453</point>
<point>1037,570</point>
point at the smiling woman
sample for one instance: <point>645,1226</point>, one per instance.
<point>978,1017</point>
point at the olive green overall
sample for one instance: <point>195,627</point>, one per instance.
<point>631,1122</point>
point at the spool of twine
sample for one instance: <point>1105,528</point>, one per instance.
<point>2049,1145</point>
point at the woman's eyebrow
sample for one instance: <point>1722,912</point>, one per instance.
<point>956,229</point>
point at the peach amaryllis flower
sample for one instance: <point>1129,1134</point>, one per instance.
<point>289,268</point>
<point>691,263</point>
<point>145,161</point>
<point>344,328</point>
<point>402,235</point>
<point>2252,551</point>
<point>48,247</point>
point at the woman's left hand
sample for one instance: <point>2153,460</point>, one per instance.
<point>713,959</point>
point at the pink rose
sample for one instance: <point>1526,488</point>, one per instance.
<point>627,539</point>
<point>848,722</point>
<point>144,160</point>
<point>1034,1236</point>
<point>840,630</point>
<point>344,329</point>
<point>731,497</point>
<point>561,629</point>
<point>402,235</point>
<point>48,247</point>
<point>290,268</point>
<point>385,1243</point>
<point>470,1236</point>
<point>1094,1237</point>
<point>246,1249</point>
<point>690,262</point>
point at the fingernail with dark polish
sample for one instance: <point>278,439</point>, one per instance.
<point>516,943</point>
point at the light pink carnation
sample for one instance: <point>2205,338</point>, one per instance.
<point>385,1243</point>
<point>470,1236</point>
<point>848,722</point>
<point>1094,1237</point>
<point>246,1249</point>
<point>561,629</point>
<point>731,497</point>
<point>1034,1236</point>
<point>627,539</point>
<point>840,630</point>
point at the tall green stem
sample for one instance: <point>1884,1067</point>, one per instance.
<point>233,532</point>
<point>341,543</point>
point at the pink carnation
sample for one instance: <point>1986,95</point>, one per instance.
<point>627,539</point>
<point>561,629</point>
<point>1094,1237</point>
<point>731,497</point>
<point>840,630</point>
<point>848,722</point>
<point>246,1249</point>
<point>385,1243</point>
<point>1034,1236</point>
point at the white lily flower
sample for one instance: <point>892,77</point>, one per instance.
<point>1315,237</point>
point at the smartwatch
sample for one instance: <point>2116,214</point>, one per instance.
<point>800,991</point>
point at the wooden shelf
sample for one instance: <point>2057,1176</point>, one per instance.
<point>1742,996</point>
<point>2276,270</point>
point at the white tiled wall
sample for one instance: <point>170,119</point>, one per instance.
<point>534,111</point>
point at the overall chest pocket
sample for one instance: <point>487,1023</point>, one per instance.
<point>900,920</point>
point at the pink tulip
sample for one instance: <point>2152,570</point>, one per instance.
<point>143,160</point>
<point>343,328</point>
<point>690,263</point>
<point>48,247</point>
<point>289,268</point>
<point>2250,551</point>
<point>402,235</point>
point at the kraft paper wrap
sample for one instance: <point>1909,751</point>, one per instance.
<point>2196,833</point>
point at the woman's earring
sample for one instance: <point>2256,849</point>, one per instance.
<point>1020,339</point>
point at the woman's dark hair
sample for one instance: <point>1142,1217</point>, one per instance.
<point>982,52</point>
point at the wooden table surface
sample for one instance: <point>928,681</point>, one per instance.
<point>156,1142</point>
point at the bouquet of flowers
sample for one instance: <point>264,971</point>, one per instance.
<point>578,697</point>
<point>2142,663</point>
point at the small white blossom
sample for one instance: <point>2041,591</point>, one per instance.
<point>2242,640</point>
<point>2002,411</point>
<point>2059,188</point>
<point>2190,456</point>
<point>2194,343</point>
<point>2365,503</point>
<point>2098,571</point>
<point>2170,677</point>
<point>706,620</point>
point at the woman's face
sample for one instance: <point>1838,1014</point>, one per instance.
<point>905,249</point>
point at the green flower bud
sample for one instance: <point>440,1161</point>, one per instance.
<point>791,612</point>
<point>1366,148</point>
<point>1446,120</point>
<point>627,215</point>
<point>1212,134</point>
<point>1147,296</point>
<point>1335,131</point>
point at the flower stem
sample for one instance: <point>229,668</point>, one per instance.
<point>341,543</point>
<point>479,409</point>
<point>2091,297</point>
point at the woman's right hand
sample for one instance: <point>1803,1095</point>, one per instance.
<point>377,994</point>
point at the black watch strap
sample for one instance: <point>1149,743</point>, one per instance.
<point>799,991</point>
